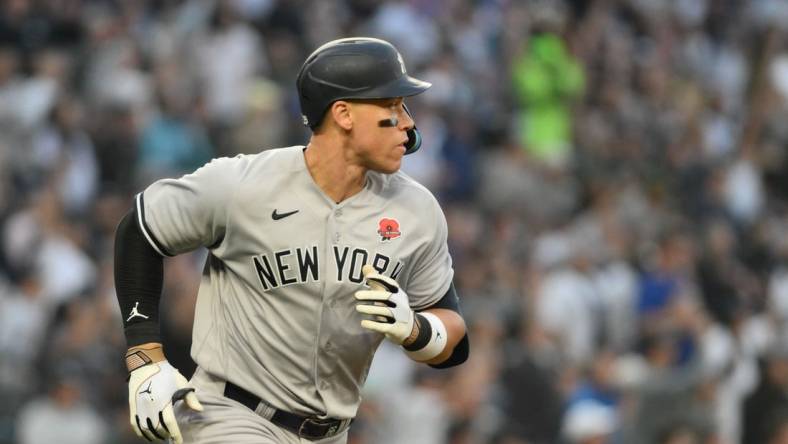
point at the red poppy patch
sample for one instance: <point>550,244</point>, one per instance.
<point>388,229</point>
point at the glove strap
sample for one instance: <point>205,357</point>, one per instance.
<point>422,331</point>
<point>431,340</point>
<point>136,360</point>
<point>140,357</point>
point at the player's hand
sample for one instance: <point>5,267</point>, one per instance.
<point>153,389</point>
<point>388,305</point>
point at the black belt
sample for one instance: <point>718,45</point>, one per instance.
<point>308,427</point>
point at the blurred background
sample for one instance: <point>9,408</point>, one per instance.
<point>614,174</point>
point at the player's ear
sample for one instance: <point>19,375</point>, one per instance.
<point>340,113</point>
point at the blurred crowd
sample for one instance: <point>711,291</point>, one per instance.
<point>614,174</point>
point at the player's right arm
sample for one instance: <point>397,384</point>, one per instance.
<point>154,384</point>
<point>170,217</point>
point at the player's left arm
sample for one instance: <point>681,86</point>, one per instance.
<point>435,335</point>
<point>426,321</point>
<point>457,348</point>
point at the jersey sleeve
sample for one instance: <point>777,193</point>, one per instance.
<point>180,215</point>
<point>432,271</point>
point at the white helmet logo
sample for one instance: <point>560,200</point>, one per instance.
<point>401,62</point>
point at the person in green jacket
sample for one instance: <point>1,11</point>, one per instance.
<point>546,80</point>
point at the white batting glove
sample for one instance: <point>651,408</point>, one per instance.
<point>153,389</point>
<point>388,304</point>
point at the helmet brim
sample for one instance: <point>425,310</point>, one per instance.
<point>404,86</point>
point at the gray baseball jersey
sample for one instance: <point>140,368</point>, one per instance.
<point>275,312</point>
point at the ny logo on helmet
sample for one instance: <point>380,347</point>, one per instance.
<point>401,62</point>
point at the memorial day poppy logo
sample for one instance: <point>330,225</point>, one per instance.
<point>388,229</point>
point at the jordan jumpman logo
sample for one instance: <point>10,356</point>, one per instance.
<point>134,313</point>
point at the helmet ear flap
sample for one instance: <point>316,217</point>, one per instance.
<point>414,136</point>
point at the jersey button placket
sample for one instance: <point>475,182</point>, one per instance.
<point>337,236</point>
<point>326,305</point>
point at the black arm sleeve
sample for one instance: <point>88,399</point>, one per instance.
<point>458,355</point>
<point>139,277</point>
<point>450,301</point>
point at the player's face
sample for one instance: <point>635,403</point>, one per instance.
<point>380,132</point>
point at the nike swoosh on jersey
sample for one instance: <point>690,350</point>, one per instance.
<point>277,216</point>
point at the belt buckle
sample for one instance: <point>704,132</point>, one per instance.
<point>318,422</point>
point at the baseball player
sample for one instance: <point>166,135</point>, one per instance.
<point>317,253</point>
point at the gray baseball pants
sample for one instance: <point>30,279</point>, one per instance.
<point>227,421</point>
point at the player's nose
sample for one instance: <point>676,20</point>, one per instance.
<point>406,122</point>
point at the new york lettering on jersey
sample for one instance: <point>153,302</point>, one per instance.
<point>301,265</point>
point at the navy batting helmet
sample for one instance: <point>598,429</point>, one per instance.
<point>355,68</point>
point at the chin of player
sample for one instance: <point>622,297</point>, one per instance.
<point>389,167</point>
<point>391,163</point>
<point>396,161</point>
